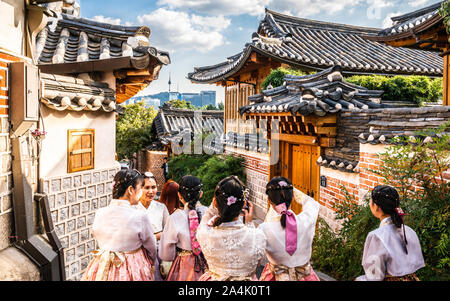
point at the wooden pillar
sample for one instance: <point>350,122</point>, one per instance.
<point>446,80</point>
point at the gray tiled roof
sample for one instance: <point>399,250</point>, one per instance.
<point>67,39</point>
<point>321,45</point>
<point>408,22</point>
<point>68,93</point>
<point>171,123</point>
<point>319,94</point>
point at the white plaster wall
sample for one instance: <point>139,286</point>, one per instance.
<point>12,25</point>
<point>337,174</point>
<point>54,147</point>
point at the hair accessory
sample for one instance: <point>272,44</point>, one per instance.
<point>193,225</point>
<point>283,184</point>
<point>231,200</point>
<point>401,213</point>
<point>291,228</point>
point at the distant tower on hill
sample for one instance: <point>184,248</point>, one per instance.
<point>170,82</point>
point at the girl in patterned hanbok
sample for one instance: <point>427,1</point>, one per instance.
<point>289,236</point>
<point>232,249</point>
<point>178,242</point>
<point>392,252</point>
<point>127,245</point>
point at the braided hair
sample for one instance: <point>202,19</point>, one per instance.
<point>124,179</point>
<point>280,190</point>
<point>388,199</point>
<point>190,189</point>
<point>228,190</point>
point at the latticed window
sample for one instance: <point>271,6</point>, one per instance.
<point>81,150</point>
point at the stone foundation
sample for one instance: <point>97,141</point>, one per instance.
<point>74,199</point>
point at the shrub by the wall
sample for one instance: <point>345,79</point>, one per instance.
<point>418,89</point>
<point>210,169</point>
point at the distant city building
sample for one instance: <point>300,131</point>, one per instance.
<point>201,99</point>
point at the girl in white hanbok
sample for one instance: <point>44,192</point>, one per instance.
<point>178,242</point>
<point>232,249</point>
<point>392,252</point>
<point>289,236</point>
<point>127,245</point>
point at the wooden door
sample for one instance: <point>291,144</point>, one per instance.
<point>305,172</point>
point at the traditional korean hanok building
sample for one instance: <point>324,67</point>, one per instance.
<point>328,133</point>
<point>422,29</point>
<point>79,71</point>
<point>307,45</point>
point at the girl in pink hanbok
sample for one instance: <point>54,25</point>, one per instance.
<point>127,245</point>
<point>233,249</point>
<point>289,236</point>
<point>178,243</point>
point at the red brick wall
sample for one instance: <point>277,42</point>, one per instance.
<point>257,171</point>
<point>153,162</point>
<point>369,180</point>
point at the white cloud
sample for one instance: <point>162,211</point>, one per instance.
<point>387,22</point>
<point>172,30</point>
<point>103,19</point>
<point>417,3</point>
<point>221,7</point>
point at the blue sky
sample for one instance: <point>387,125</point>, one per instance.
<point>206,32</point>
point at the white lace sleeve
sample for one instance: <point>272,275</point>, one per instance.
<point>374,259</point>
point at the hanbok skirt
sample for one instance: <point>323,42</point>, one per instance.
<point>186,267</point>
<point>282,273</point>
<point>210,276</point>
<point>120,266</point>
<point>410,277</point>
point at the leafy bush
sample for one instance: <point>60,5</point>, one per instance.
<point>276,77</point>
<point>340,254</point>
<point>418,89</point>
<point>210,169</point>
<point>133,129</point>
<point>415,169</point>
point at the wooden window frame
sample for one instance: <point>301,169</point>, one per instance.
<point>70,134</point>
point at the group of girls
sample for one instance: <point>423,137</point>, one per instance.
<point>179,239</point>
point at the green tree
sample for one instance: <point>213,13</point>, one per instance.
<point>133,129</point>
<point>221,106</point>
<point>181,104</point>
<point>444,11</point>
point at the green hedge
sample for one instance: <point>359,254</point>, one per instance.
<point>418,89</point>
<point>210,169</point>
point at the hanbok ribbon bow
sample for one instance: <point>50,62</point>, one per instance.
<point>291,228</point>
<point>193,225</point>
<point>106,261</point>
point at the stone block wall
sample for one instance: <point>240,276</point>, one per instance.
<point>6,178</point>
<point>74,199</point>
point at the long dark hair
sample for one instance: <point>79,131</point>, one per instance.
<point>229,187</point>
<point>280,193</point>
<point>190,189</point>
<point>124,179</point>
<point>388,199</point>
